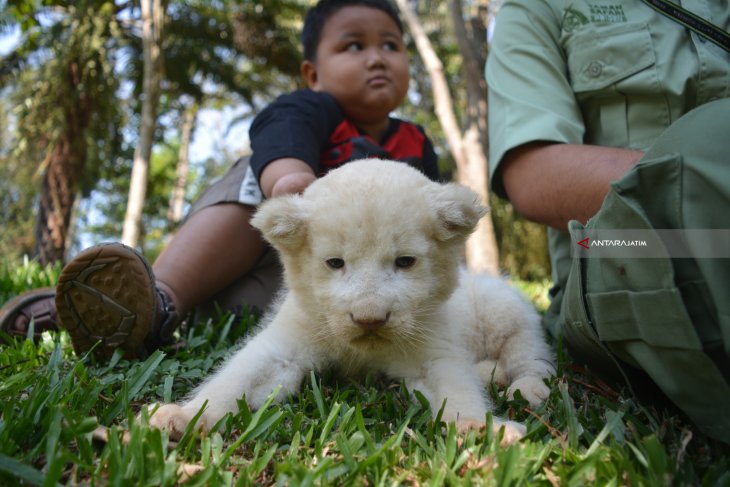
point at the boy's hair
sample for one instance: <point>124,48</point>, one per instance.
<point>317,17</point>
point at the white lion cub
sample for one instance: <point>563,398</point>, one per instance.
<point>371,256</point>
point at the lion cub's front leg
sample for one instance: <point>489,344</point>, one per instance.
<point>466,405</point>
<point>513,431</point>
<point>171,418</point>
<point>266,362</point>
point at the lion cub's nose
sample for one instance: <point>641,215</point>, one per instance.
<point>369,322</point>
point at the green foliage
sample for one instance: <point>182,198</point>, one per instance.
<point>52,405</point>
<point>66,87</point>
<point>246,47</point>
<point>17,276</point>
<point>75,79</point>
<point>16,205</point>
<point>523,245</point>
<point>111,201</point>
<point>62,87</point>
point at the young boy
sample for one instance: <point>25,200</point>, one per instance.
<point>356,68</point>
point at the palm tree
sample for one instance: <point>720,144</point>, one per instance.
<point>65,88</point>
<point>66,76</point>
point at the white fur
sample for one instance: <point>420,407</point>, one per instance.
<point>446,332</point>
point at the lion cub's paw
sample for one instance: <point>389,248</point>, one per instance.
<point>464,425</point>
<point>532,388</point>
<point>513,431</point>
<point>171,418</point>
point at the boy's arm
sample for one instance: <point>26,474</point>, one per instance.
<point>553,183</point>
<point>286,176</point>
<point>287,138</point>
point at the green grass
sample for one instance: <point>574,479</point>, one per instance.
<point>52,404</point>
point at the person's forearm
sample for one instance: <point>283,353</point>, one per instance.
<point>554,183</point>
<point>286,176</point>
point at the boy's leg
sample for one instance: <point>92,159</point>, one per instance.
<point>110,293</point>
<point>251,293</point>
<point>667,317</point>
<point>217,258</point>
<point>107,294</point>
<point>211,250</point>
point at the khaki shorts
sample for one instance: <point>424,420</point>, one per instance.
<point>256,289</point>
<point>667,318</point>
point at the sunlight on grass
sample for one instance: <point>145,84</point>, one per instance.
<point>16,277</point>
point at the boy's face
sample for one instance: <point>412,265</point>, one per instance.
<point>362,62</point>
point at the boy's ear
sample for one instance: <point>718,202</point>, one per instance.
<point>309,73</point>
<point>282,221</point>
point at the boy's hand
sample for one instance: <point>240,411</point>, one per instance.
<point>286,176</point>
<point>292,183</point>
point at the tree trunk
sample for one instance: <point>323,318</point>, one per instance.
<point>153,19</point>
<point>467,150</point>
<point>61,175</point>
<point>177,198</point>
<point>56,203</point>
<point>482,253</point>
<point>481,250</point>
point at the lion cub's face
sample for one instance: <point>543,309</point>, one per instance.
<point>372,249</point>
<point>373,273</point>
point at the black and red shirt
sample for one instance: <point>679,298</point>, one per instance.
<point>310,126</point>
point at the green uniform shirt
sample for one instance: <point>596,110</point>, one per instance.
<point>611,73</point>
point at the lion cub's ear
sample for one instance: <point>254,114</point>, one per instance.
<point>282,221</point>
<point>457,209</point>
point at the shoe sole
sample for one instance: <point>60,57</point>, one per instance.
<point>107,294</point>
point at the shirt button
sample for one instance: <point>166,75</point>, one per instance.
<point>595,69</point>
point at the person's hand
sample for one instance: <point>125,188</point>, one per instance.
<point>286,176</point>
<point>292,183</point>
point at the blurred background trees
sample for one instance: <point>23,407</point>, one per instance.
<point>71,93</point>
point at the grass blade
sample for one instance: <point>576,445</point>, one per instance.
<point>20,470</point>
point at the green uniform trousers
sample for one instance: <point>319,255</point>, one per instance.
<point>669,318</point>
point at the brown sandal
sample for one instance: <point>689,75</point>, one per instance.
<point>107,294</point>
<point>37,306</point>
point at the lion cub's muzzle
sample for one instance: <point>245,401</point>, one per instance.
<point>370,323</point>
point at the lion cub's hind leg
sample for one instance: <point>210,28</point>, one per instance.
<point>532,388</point>
<point>490,371</point>
<point>513,351</point>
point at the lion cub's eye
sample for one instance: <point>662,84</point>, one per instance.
<point>335,263</point>
<point>405,262</point>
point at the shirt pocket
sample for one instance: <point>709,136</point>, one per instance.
<point>604,55</point>
<point>612,70</point>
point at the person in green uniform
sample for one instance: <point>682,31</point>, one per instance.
<point>612,115</point>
